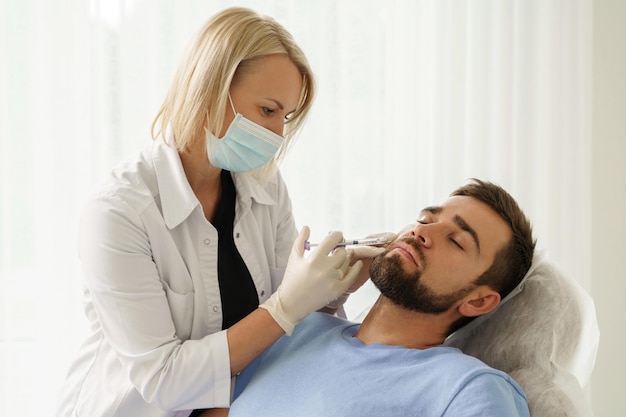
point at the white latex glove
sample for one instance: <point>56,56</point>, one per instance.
<point>370,252</point>
<point>311,282</point>
<point>365,254</point>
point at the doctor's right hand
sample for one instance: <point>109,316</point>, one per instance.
<point>311,282</point>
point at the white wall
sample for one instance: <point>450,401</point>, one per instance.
<point>609,205</point>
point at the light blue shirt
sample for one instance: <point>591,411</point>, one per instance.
<point>323,370</point>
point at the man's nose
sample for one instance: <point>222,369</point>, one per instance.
<point>423,234</point>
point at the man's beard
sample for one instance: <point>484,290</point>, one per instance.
<point>407,290</point>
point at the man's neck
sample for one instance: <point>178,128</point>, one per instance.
<point>392,325</point>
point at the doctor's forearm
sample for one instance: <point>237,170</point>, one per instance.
<point>248,338</point>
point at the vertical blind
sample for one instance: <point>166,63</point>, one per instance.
<point>414,98</point>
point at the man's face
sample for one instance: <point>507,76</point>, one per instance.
<point>434,262</point>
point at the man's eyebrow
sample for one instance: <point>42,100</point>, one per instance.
<point>467,228</point>
<point>458,220</point>
<point>432,210</point>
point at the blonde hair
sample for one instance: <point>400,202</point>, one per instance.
<point>220,53</point>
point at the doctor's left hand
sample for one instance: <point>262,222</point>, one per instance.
<point>366,255</point>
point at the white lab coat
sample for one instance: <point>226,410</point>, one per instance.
<point>155,345</point>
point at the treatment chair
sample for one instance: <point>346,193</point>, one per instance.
<point>545,335</point>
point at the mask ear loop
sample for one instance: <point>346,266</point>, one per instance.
<point>232,106</point>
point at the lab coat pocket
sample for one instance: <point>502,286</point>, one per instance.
<point>181,307</point>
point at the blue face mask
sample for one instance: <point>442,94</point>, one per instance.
<point>245,147</point>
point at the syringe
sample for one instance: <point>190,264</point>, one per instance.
<point>373,241</point>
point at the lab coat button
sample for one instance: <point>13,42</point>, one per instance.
<point>262,293</point>
<point>237,235</point>
<point>207,241</point>
<point>215,309</point>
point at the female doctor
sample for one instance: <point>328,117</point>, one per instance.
<point>190,266</point>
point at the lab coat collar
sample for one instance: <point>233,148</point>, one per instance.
<point>177,198</point>
<point>249,188</point>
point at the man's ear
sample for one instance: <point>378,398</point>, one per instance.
<point>480,301</point>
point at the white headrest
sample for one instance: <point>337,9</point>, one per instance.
<point>545,335</point>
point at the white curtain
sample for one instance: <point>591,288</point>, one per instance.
<point>415,97</point>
